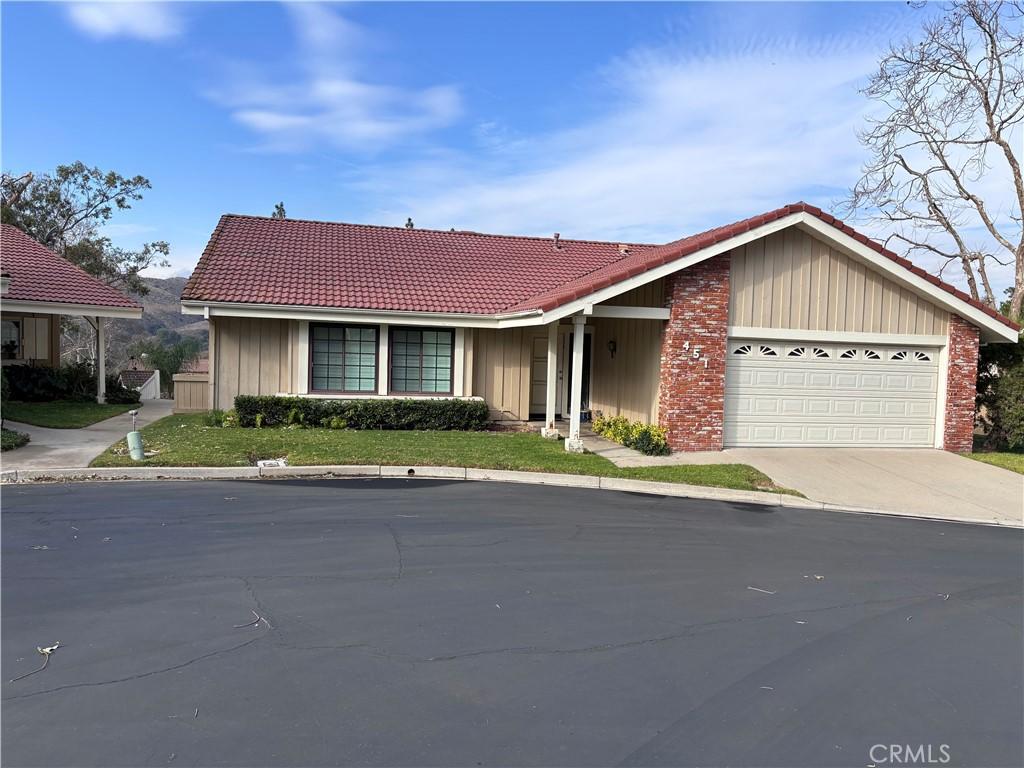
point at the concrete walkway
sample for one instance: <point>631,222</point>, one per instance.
<point>918,482</point>
<point>75,448</point>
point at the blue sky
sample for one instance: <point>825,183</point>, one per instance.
<point>639,122</point>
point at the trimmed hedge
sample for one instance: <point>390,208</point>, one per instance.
<point>646,438</point>
<point>273,411</point>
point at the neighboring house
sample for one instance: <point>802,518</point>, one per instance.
<point>38,287</point>
<point>144,381</point>
<point>788,328</point>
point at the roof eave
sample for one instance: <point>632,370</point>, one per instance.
<point>68,308</point>
<point>208,309</point>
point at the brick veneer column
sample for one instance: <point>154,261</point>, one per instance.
<point>691,401</point>
<point>961,377</point>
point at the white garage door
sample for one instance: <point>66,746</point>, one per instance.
<point>811,393</point>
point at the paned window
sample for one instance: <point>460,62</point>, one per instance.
<point>343,358</point>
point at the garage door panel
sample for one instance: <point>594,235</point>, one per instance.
<point>801,397</point>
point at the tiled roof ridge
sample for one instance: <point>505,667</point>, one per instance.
<point>498,235</point>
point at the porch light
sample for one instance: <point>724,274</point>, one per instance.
<point>612,347</point>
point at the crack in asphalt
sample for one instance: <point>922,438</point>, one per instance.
<point>398,550</point>
<point>138,676</point>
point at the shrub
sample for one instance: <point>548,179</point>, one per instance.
<point>214,418</point>
<point>430,414</point>
<point>1001,395</point>
<point>34,383</point>
<point>75,381</point>
<point>9,439</point>
<point>1008,411</point>
<point>646,438</point>
<point>118,393</point>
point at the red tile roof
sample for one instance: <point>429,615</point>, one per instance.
<point>39,274</point>
<point>296,262</point>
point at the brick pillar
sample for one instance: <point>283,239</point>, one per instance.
<point>691,401</point>
<point>961,378</point>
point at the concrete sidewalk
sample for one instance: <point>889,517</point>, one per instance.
<point>75,448</point>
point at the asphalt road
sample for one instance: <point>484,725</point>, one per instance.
<point>473,624</point>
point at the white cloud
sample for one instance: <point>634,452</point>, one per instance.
<point>142,20</point>
<point>685,142</point>
<point>330,102</point>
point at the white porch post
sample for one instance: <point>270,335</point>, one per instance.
<point>101,362</point>
<point>552,383</point>
<point>573,442</point>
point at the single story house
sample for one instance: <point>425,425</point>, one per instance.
<point>38,287</point>
<point>784,329</point>
<point>143,380</point>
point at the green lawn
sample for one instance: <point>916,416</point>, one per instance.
<point>63,414</point>
<point>1011,461</point>
<point>9,439</point>
<point>184,441</point>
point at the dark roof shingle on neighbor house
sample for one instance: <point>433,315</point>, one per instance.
<point>295,262</point>
<point>135,377</point>
<point>40,275</point>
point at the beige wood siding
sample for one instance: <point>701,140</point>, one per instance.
<point>501,369</point>
<point>650,295</point>
<point>191,392</point>
<point>627,384</point>
<point>790,279</point>
<point>254,356</point>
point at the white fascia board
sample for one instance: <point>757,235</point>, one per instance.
<point>57,308</point>
<point>328,314</point>
<point>904,276</point>
<point>673,266</point>
<point>838,337</point>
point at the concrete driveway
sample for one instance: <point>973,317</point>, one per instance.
<point>75,448</point>
<point>920,481</point>
<point>433,623</point>
<point>913,482</point>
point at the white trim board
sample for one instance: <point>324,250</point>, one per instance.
<point>55,308</point>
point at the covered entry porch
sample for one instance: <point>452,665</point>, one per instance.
<point>606,359</point>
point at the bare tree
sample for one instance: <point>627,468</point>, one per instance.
<point>945,172</point>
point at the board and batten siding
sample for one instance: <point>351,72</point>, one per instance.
<point>254,356</point>
<point>501,362</point>
<point>792,280</point>
<point>626,384</point>
<point>650,295</point>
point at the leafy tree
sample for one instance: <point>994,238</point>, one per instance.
<point>64,210</point>
<point>169,359</point>
<point>279,212</point>
<point>951,104</point>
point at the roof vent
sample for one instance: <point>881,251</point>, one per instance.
<point>408,223</point>
<point>623,249</point>
<point>558,245</point>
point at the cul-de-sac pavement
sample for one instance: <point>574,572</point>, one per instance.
<point>418,622</point>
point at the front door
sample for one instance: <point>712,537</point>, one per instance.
<point>538,377</point>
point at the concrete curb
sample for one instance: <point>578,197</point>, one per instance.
<point>678,490</point>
